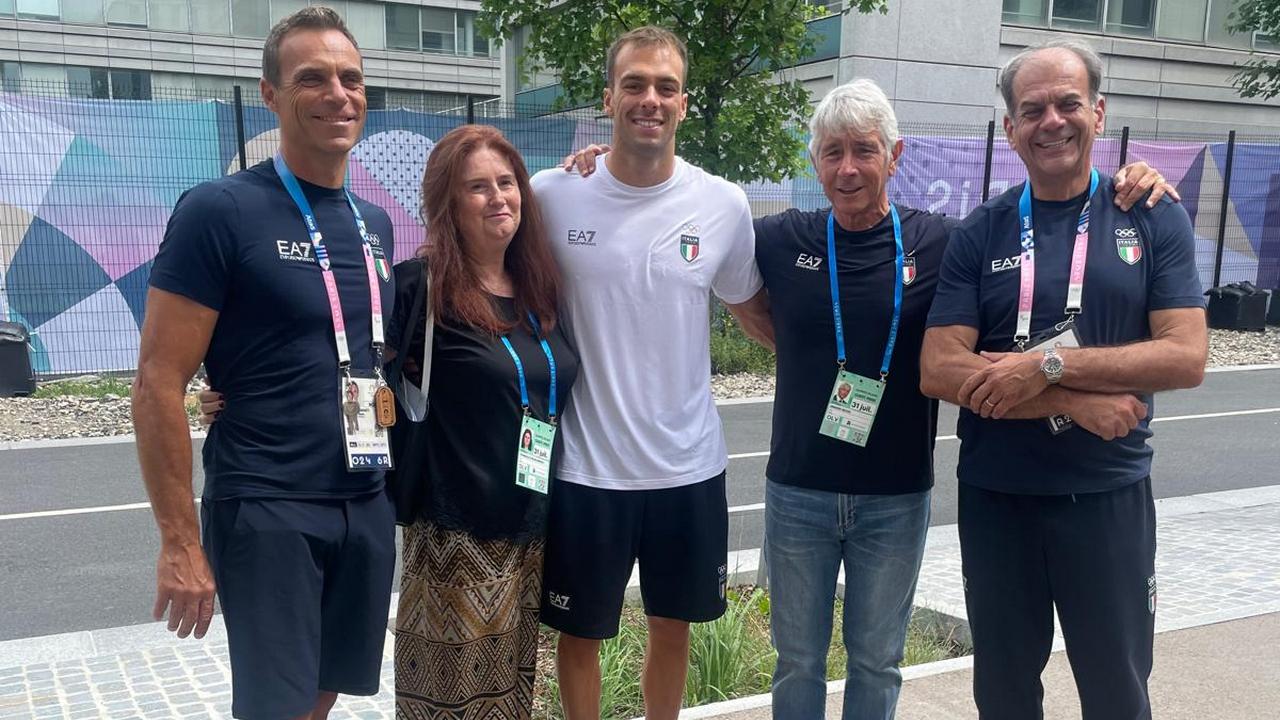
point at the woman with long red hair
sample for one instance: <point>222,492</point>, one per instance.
<point>467,624</point>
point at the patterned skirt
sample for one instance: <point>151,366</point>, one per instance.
<point>467,625</point>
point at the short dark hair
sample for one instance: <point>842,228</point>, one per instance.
<point>308,18</point>
<point>647,36</point>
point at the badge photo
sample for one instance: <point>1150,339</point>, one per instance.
<point>1128,245</point>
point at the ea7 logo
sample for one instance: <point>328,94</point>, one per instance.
<point>295,251</point>
<point>582,237</point>
<point>1008,263</point>
<point>808,262</point>
<point>558,601</point>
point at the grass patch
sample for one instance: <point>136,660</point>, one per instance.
<point>731,350</point>
<point>84,387</point>
<point>729,658</point>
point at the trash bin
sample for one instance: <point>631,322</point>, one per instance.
<point>16,377</point>
<point>1237,306</point>
<point>1273,315</point>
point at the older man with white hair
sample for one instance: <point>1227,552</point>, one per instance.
<point>849,475</point>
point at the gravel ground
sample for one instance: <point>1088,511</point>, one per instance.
<point>78,417</point>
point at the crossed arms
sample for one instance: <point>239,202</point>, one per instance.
<point>1097,388</point>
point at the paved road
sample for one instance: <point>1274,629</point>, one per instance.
<point>94,570</point>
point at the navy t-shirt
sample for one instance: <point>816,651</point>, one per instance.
<point>791,250</point>
<point>239,245</point>
<point>1138,262</point>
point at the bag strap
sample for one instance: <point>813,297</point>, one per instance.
<point>429,337</point>
<point>397,365</point>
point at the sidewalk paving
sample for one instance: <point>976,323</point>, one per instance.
<point>1226,671</point>
<point>1217,654</point>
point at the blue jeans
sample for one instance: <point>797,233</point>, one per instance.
<point>880,540</point>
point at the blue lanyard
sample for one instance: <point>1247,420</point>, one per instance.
<point>897,291</point>
<point>551,365</point>
<point>330,282</point>
<point>317,240</point>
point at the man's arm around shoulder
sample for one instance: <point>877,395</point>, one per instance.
<point>175,336</point>
<point>755,318</point>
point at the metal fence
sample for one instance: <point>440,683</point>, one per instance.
<point>87,185</point>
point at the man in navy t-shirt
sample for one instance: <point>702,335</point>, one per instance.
<point>1056,318</point>
<point>300,549</point>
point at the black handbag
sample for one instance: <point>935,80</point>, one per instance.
<point>407,481</point>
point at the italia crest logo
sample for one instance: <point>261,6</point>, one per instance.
<point>689,243</point>
<point>384,270</point>
<point>908,270</point>
<point>1128,245</point>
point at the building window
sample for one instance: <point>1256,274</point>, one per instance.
<point>88,12</point>
<point>1025,12</point>
<point>1181,19</point>
<point>83,82</point>
<point>6,7</point>
<point>1131,17</point>
<point>250,18</point>
<point>171,15</point>
<point>281,9</point>
<point>10,74</point>
<point>1077,14</point>
<point>375,98</point>
<point>403,32</point>
<point>130,84</point>
<point>131,13</point>
<point>1263,41</point>
<point>470,41</point>
<point>211,17</point>
<point>366,22</point>
<point>439,30</point>
<point>38,9</point>
<point>1218,35</point>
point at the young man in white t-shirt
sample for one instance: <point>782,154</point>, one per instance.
<point>642,244</point>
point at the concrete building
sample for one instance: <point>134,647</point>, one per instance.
<point>422,54</point>
<point>1168,62</point>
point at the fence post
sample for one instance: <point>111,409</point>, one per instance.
<point>239,100</point>
<point>471,110</point>
<point>1124,146</point>
<point>1226,201</point>
<point>986,166</point>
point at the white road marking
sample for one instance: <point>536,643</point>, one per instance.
<point>736,456</point>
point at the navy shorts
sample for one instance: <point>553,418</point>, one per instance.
<point>680,536</point>
<point>305,587</point>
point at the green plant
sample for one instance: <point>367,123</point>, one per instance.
<point>740,107</point>
<point>85,387</point>
<point>730,656</point>
<point>731,350</point>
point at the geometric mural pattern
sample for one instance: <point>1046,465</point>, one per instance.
<point>86,187</point>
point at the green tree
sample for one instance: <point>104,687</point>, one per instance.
<point>1258,77</point>
<point>740,118</point>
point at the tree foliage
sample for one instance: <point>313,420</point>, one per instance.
<point>740,117</point>
<point>1259,77</point>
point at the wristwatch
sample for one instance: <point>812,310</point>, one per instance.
<point>1052,366</point>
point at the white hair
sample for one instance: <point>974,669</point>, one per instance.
<point>856,106</point>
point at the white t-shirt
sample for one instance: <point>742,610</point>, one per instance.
<point>639,266</point>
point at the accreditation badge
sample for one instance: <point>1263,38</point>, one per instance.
<point>364,442</point>
<point>533,455</point>
<point>1062,335</point>
<point>852,407</point>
